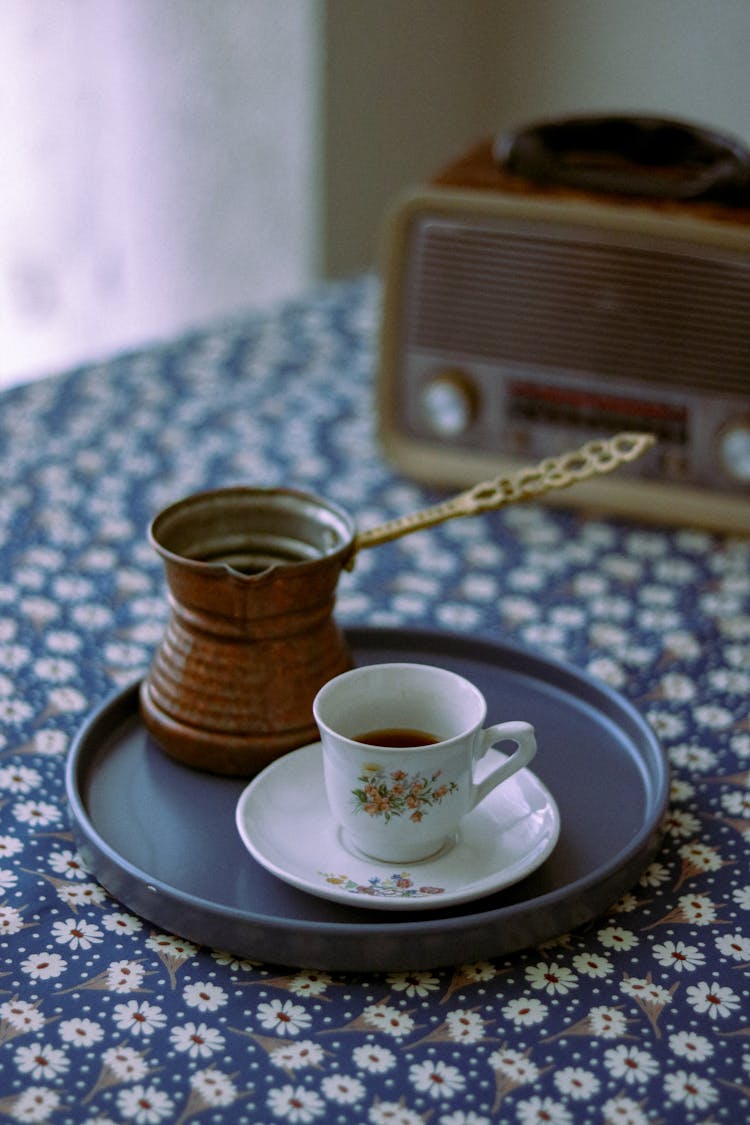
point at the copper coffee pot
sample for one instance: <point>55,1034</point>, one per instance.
<point>252,575</point>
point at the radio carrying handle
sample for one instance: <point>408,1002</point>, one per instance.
<point>655,157</point>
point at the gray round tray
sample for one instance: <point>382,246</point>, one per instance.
<point>161,837</point>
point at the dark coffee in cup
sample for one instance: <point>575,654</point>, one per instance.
<point>397,737</point>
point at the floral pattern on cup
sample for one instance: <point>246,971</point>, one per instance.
<point>399,884</point>
<point>397,793</point>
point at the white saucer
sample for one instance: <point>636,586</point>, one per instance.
<point>283,820</point>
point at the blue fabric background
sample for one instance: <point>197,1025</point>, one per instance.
<point>640,1017</point>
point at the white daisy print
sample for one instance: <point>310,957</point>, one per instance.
<point>737,803</point>
<point>645,990</point>
<point>690,1090</point>
<point>68,864</point>
<point>677,688</point>
<point>44,966</point>
<point>679,956</point>
<point>8,879</point>
<point>21,1015</point>
<point>38,814</point>
<point>699,858</point>
<point>666,725</point>
<point>139,1018</point>
<point>465,1027</point>
<point>50,742</point>
<point>126,1063</point>
<point>734,946</point>
<point>373,1058</point>
<point>343,1089</point>
<point>414,984</point>
<point>80,894</point>
<point>231,961</point>
<point>204,996</point>
<point>576,1082</point>
<point>145,1105</point>
<point>54,669</point>
<point>73,588</point>
<point>62,641</point>
<point>689,1045</point>
<point>679,790</point>
<point>631,1064</point>
<point>284,1017</point>
<point>393,1113</point>
<point>525,1011</point>
<point>168,945</point>
<point>543,1111</point>
<point>437,1079</point>
<point>592,965</point>
<point>11,921</point>
<point>81,1032</point>
<point>15,711</point>
<point>479,972</point>
<point>37,1103</point>
<point>514,1065</point>
<point>122,923</point>
<point>623,1111</point>
<point>215,1088</point>
<point>125,976</point>
<point>296,1104</point>
<point>714,717</point>
<point>713,999</point>
<point>699,910</point>
<point>67,700</point>
<point>41,1061</point>
<point>76,935</point>
<point>12,657</point>
<point>297,1055</point>
<point>741,896</point>
<point>91,616</point>
<point>389,1020</point>
<point>740,743</point>
<point>197,1040</point>
<point>309,983</point>
<point>9,846</point>
<point>551,978</point>
<point>697,758</point>
<point>19,779</point>
<point>615,937</point>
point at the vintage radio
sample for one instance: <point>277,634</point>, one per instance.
<point>575,279</point>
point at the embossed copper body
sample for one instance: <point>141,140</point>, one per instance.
<point>251,637</point>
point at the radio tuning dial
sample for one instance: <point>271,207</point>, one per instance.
<point>450,403</point>
<point>734,448</point>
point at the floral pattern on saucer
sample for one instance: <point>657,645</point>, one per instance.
<point>399,885</point>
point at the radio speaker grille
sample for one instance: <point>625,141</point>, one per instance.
<point>580,301</point>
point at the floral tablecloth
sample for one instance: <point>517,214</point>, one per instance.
<point>642,1016</point>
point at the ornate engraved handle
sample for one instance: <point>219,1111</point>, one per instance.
<point>592,459</point>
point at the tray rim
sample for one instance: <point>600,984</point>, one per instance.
<point>121,706</point>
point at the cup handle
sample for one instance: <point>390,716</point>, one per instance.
<point>519,732</point>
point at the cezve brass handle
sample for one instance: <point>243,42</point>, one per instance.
<point>592,459</point>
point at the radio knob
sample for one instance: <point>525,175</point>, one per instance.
<point>734,447</point>
<point>450,403</point>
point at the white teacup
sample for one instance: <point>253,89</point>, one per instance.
<point>400,803</point>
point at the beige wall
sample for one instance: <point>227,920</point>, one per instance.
<point>405,82</point>
<point>410,83</point>
<point>168,163</point>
